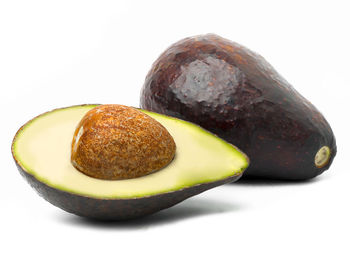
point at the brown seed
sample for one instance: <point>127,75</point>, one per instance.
<point>120,142</point>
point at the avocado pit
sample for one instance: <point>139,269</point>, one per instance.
<point>119,142</point>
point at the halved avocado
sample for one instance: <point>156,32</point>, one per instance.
<point>41,149</point>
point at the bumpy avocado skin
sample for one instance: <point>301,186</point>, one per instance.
<point>116,209</point>
<point>236,94</point>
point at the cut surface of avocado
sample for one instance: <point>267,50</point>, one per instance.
<point>42,149</point>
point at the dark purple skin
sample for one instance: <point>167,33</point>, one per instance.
<point>236,94</point>
<point>116,209</point>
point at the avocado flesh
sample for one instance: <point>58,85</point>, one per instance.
<point>42,150</point>
<point>236,94</point>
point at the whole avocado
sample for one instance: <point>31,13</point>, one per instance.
<point>236,94</point>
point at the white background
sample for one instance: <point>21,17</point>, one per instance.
<point>60,53</point>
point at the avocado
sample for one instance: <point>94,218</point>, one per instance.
<point>235,93</point>
<point>42,152</point>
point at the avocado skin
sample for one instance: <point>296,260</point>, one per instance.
<point>116,209</point>
<point>236,94</point>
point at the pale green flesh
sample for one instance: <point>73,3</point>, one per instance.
<point>42,148</point>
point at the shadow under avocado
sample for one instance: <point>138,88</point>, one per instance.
<point>188,209</point>
<point>263,182</point>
